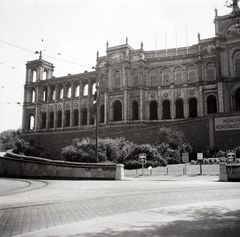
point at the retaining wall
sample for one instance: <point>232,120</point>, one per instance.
<point>20,166</point>
<point>229,172</point>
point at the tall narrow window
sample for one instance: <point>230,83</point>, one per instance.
<point>153,110</point>
<point>51,120</point>
<point>45,94</point>
<point>53,93</point>
<point>76,115</point>
<point>60,92</point>
<point>117,78</point>
<point>32,122</point>
<point>211,104</point>
<point>33,96</point>
<point>34,75</point>
<point>166,109</point>
<point>59,119</point>
<point>192,108</point>
<point>85,90</point>
<point>44,120</point>
<point>117,110</point>
<point>67,118</point>
<point>178,72</point>
<point>210,72</point>
<point>135,78</point>
<point>94,88</point>
<point>84,116</point>
<point>135,110</point>
<point>191,73</point>
<point>179,109</point>
<point>236,63</point>
<point>76,92</point>
<point>165,77</point>
<point>153,78</point>
<point>102,114</point>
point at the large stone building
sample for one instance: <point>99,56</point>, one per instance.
<point>138,86</point>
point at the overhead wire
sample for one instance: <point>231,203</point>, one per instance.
<point>16,102</point>
<point>39,24</point>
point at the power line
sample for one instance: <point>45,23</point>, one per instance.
<point>16,102</point>
<point>39,23</point>
<point>17,46</point>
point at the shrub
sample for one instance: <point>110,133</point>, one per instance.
<point>132,164</point>
<point>193,162</point>
<point>8,139</point>
<point>237,151</point>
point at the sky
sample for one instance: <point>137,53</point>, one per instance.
<point>70,32</point>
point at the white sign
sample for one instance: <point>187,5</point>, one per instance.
<point>185,157</point>
<point>142,158</point>
<point>200,156</point>
<point>227,123</point>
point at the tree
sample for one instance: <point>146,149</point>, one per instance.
<point>8,139</point>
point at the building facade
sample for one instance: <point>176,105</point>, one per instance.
<point>138,86</point>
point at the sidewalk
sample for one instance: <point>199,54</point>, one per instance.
<point>218,218</point>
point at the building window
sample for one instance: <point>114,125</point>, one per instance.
<point>60,92</point>
<point>44,120</point>
<point>166,109</point>
<point>153,78</point>
<point>193,108</point>
<point>85,90</point>
<point>45,94</point>
<point>33,96</point>
<point>84,116</point>
<point>51,120</point>
<point>53,93</point>
<point>165,77</point>
<point>34,76</point>
<point>117,77</point>
<point>102,114</point>
<point>179,109</point>
<point>135,78</point>
<point>178,75</point>
<point>59,119</point>
<point>94,88</point>
<point>117,111</point>
<point>210,72</point>
<point>76,90</point>
<point>211,104</point>
<point>236,63</point>
<point>191,73</point>
<point>31,122</point>
<point>102,83</point>
<point>67,118</point>
<point>237,100</point>
<point>135,110</point>
<point>153,110</point>
<point>75,119</point>
<point>69,91</point>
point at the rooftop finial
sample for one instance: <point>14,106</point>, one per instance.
<point>216,12</point>
<point>40,56</point>
<point>126,40</point>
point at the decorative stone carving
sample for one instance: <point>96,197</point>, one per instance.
<point>209,50</point>
<point>135,59</point>
<point>102,64</point>
<point>233,32</point>
<point>116,58</point>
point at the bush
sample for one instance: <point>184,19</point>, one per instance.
<point>8,139</point>
<point>237,151</point>
<point>32,152</point>
<point>132,164</point>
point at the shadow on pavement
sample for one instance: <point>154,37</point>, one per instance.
<point>194,222</point>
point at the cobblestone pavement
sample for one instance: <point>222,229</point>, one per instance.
<point>31,205</point>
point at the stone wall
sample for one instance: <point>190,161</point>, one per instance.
<point>13,165</point>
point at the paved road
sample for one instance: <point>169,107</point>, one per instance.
<point>148,206</point>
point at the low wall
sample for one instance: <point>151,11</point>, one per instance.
<point>229,172</point>
<point>20,166</point>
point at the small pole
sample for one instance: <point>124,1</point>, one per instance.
<point>200,167</point>
<point>185,168</point>
<point>142,166</point>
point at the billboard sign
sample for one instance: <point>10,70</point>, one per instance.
<point>227,123</point>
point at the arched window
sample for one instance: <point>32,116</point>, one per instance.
<point>135,78</point>
<point>210,72</point>
<point>178,73</point>
<point>85,90</point>
<point>59,119</point>
<point>45,94</point>
<point>44,120</point>
<point>191,74</point>
<point>236,63</point>
<point>117,79</point>
<point>179,109</point>
<point>84,116</point>
<point>67,118</point>
<point>76,92</point>
<point>34,75</point>
<point>102,114</point>
<point>75,117</point>
<point>53,93</point>
<point>153,77</point>
<point>45,74</point>
<point>193,108</point>
<point>153,110</point>
<point>94,88</point>
<point>51,120</point>
<point>211,104</point>
<point>31,122</point>
<point>135,110</point>
<point>166,109</point>
<point>60,92</point>
<point>117,111</point>
<point>33,96</point>
<point>103,83</point>
<point>69,91</point>
<point>165,77</point>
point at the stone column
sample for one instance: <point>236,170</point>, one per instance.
<point>141,105</point>
<point>125,106</point>
<point>220,98</point>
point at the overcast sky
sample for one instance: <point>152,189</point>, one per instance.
<point>69,32</point>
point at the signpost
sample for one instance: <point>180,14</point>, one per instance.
<point>185,158</point>
<point>231,155</point>
<point>142,160</point>
<point>200,159</point>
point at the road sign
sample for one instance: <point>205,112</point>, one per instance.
<point>185,157</point>
<point>142,158</point>
<point>199,156</point>
<point>231,155</point>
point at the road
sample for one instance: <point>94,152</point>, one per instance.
<point>153,206</point>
